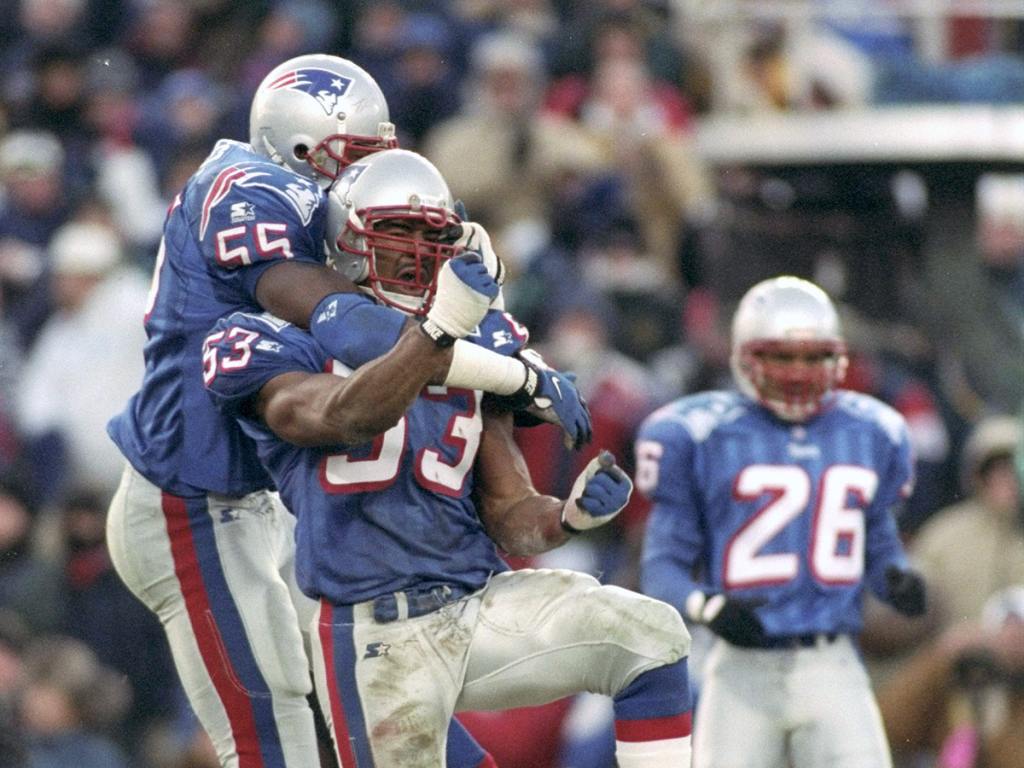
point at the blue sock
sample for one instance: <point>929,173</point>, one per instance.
<point>658,693</point>
<point>463,750</point>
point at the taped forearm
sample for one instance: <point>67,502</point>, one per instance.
<point>474,367</point>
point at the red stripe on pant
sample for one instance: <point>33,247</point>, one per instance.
<point>654,729</point>
<point>230,692</point>
<point>341,740</point>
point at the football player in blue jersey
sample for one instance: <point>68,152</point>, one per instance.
<point>402,490</point>
<point>194,529</point>
<point>773,511</point>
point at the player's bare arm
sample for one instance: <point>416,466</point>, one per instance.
<point>320,409</point>
<point>524,522</point>
<point>520,520</point>
<point>291,290</point>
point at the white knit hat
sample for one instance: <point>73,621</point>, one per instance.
<point>84,248</point>
<point>993,436</point>
<point>30,152</point>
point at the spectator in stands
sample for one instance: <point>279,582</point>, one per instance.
<point>375,42</point>
<point>68,704</point>
<point>974,548</point>
<point>160,38</point>
<point>642,142</point>
<point>959,701</point>
<point>427,86</point>
<point>36,204</point>
<point>86,362</point>
<point>124,174</point>
<point>29,585</point>
<point>186,109</point>
<point>966,552</point>
<point>14,636</point>
<point>537,21</point>
<point>99,611</point>
<point>518,154</point>
<point>626,29</point>
<point>615,262</point>
<point>38,25</point>
<point>10,373</point>
<point>55,100</point>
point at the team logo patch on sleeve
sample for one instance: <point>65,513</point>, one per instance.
<point>324,86</point>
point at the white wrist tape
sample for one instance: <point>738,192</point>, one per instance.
<point>474,367</point>
<point>457,308</point>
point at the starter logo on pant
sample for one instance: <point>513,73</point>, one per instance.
<point>228,515</point>
<point>377,650</point>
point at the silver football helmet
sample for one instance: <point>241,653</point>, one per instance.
<point>788,351</point>
<point>390,227</point>
<point>317,114</point>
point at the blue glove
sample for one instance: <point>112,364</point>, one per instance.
<point>470,268</point>
<point>555,399</point>
<point>598,495</point>
<point>501,333</point>
<point>465,290</point>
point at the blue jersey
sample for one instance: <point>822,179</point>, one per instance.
<point>238,215</point>
<point>383,516</point>
<point>799,516</point>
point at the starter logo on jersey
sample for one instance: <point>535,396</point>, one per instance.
<point>324,86</point>
<point>266,345</point>
<point>242,212</point>
<point>377,650</point>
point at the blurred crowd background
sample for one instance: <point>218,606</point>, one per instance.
<point>640,164</point>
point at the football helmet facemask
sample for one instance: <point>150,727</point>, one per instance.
<point>788,351</point>
<point>390,227</point>
<point>316,114</point>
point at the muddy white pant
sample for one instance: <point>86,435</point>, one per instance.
<point>389,688</point>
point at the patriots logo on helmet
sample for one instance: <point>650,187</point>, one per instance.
<point>323,85</point>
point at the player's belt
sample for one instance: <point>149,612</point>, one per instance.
<point>809,640</point>
<point>411,603</point>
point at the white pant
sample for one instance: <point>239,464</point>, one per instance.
<point>805,708</point>
<point>219,573</point>
<point>529,637</point>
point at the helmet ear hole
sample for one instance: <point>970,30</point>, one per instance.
<point>301,151</point>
